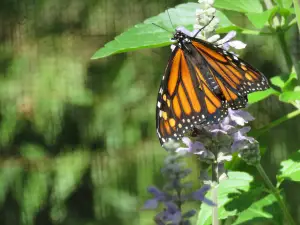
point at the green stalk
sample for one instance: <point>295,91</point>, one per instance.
<point>214,194</point>
<point>255,32</point>
<point>277,122</point>
<point>269,5</point>
<point>285,50</point>
<point>297,11</point>
<point>275,192</point>
<point>291,23</point>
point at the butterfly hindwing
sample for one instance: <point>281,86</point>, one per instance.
<point>235,77</point>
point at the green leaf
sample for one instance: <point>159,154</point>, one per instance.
<point>8,123</point>
<point>36,186</point>
<point>225,24</point>
<point>289,96</point>
<point>35,195</point>
<point>290,83</point>
<point>237,182</point>
<point>284,3</point>
<point>32,152</point>
<point>147,35</point>
<point>284,82</point>
<point>259,19</point>
<point>261,210</point>
<point>278,81</point>
<point>260,95</point>
<point>69,169</point>
<point>239,5</point>
<point>286,12</point>
<point>290,169</point>
<point>9,171</point>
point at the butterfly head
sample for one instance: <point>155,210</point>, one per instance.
<point>181,38</point>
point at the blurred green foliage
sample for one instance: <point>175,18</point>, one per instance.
<point>77,137</point>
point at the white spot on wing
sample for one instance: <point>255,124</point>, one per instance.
<point>158,104</point>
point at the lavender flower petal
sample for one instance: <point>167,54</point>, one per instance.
<point>191,147</point>
<point>237,44</point>
<point>172,213</point>
<point>227,37</point>
<point>158,194</point>
<point>151,204</point>
<point>189,213</point>
<point>240,117</point>
<point>200,195</point>
<point>226,46</point>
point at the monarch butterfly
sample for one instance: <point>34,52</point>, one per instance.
<point>201,81</point>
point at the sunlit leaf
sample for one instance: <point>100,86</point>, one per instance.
<point>35,195</point>
<point>69,169</point>
<point>290,169</point>
<point>290,96</point>
<point>53,89</point>
<point>147,35</point>
<point>291,82</point>
<point>226,25</point>
<point>8,124</point>
<point>260,95</point>
<point>35,190</point>
<point>8,172</point>
<point>237,182</point>
<point>262,210</point>
<point>284,82</point>
<point>33,152</point>
<point>286,12</point>
<point>277,81</point>
<point>122,201</point>
<point>284,3</point>
<point>240,5</point>
<point>259,19</point>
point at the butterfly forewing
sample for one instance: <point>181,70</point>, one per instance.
<point>184,99</point>
<point>200,83</point>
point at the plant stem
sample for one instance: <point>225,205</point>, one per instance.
<point>255,32</point>
<point>275,192</point>
<point>277,122</point>
<point>214,194</point>
<point>297,11</point>
<point>292,22</point>
<point>285,50</point>
<point>269,5</point>
<point>280,36</point>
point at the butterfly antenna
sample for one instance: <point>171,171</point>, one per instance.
<point>204,27</point>
<point>161,27</point>
<point>170,19</point>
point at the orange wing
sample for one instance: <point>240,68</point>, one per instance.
<point>235,78</point>
<point>185,98</point>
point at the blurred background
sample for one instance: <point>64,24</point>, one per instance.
<point>77,137</point>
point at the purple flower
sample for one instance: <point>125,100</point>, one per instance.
<point>240,139</point>
<point>200,195</point>
<point>191,147</point>
<point>226,42</point>
<point>170,214</point>
<point>159,196</point>
<point>219,141</point>
<point>239,117</point>
<point>176,192</point>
